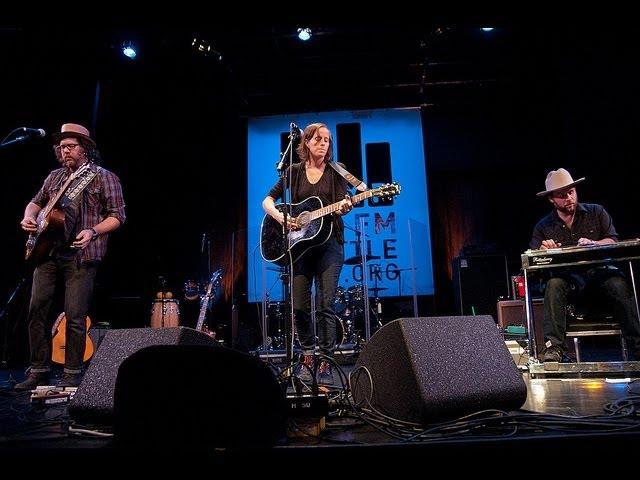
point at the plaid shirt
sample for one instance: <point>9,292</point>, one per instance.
<point>102,198</point>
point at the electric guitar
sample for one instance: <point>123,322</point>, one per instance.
<point>59,340</point>
<point>309,226</point>
<point>214,283</point>
<point>50,220</point>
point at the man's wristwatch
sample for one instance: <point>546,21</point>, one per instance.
<point>95,234</point>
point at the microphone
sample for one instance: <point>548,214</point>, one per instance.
<point>37,132</point>
<point>24,133</point>
<point>296,132</point>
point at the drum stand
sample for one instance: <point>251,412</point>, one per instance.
<point>377,311</point>
<point>163,293</point>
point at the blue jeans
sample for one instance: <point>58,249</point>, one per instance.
<point>321,264</point>
<point>78,284</point>
<point>603,281</point>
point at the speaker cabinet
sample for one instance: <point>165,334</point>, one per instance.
<point>479,281</point>
<point>431,368</point>
<point>93,401</point>
<point>197,395</point>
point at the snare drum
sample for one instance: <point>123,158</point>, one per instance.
<point>165,313</point>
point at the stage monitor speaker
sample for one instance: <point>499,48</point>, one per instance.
<point>196,395</point>
<point>479,281</point>
<point>93,401</point>
<point>433,368</point>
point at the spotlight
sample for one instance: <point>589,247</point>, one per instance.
<point>203,47</point>
<point>129,50</point>
<point>304,34</point>
<point>487,29</point>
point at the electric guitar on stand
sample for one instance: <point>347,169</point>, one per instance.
<point>310,228</point>
<point>214,283</point>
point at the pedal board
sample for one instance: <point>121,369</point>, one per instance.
<point>51,395</point>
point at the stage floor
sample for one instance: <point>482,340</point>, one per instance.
<point>589,414</point>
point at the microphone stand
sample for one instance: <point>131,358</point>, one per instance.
<point>4,360</point>
<point>19,139</point>
<point>285,178</point>
<point>5,143</point>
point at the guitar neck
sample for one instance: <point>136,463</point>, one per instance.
<point>203,311</point>
<point>334,207</point>
<point>52,203</point>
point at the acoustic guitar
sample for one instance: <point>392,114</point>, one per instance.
<point>310,228</point>
<point>50,220</point>
<point>59,340</point>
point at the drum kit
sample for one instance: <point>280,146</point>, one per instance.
<point>348,305</point>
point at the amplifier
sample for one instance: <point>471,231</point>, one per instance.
<point>511,313</point>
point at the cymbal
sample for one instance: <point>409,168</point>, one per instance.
<point>357,260</point>
<point>377,289</point>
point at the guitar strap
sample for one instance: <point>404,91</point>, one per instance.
<point>359,184</point>
<point>76,188</point>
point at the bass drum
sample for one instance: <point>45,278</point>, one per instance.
<point>165,313</point>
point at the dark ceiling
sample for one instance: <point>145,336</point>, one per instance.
<point>264,70</point>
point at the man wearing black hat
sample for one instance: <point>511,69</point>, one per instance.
<point>69,220</point>
<point>584,224</point>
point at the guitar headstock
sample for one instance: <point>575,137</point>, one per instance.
<point>214,283</point>
<point>387,190</point>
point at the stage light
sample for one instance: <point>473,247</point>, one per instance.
<point>203,47</point>
<point>129,50</point>
<point>487,29</point>
<point>304,34</point>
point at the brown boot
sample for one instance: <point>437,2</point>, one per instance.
<point>32,381</point>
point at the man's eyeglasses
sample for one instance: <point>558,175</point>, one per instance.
<point>70,146</point>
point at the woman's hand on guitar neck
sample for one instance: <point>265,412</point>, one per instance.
<point>345,205</point>
<point>29,224</point>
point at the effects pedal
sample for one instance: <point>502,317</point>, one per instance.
<point>51,395</point>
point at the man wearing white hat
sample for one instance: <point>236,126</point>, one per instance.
<point>585,224</point>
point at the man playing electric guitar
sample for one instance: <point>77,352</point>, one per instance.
<point>88,203</point>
